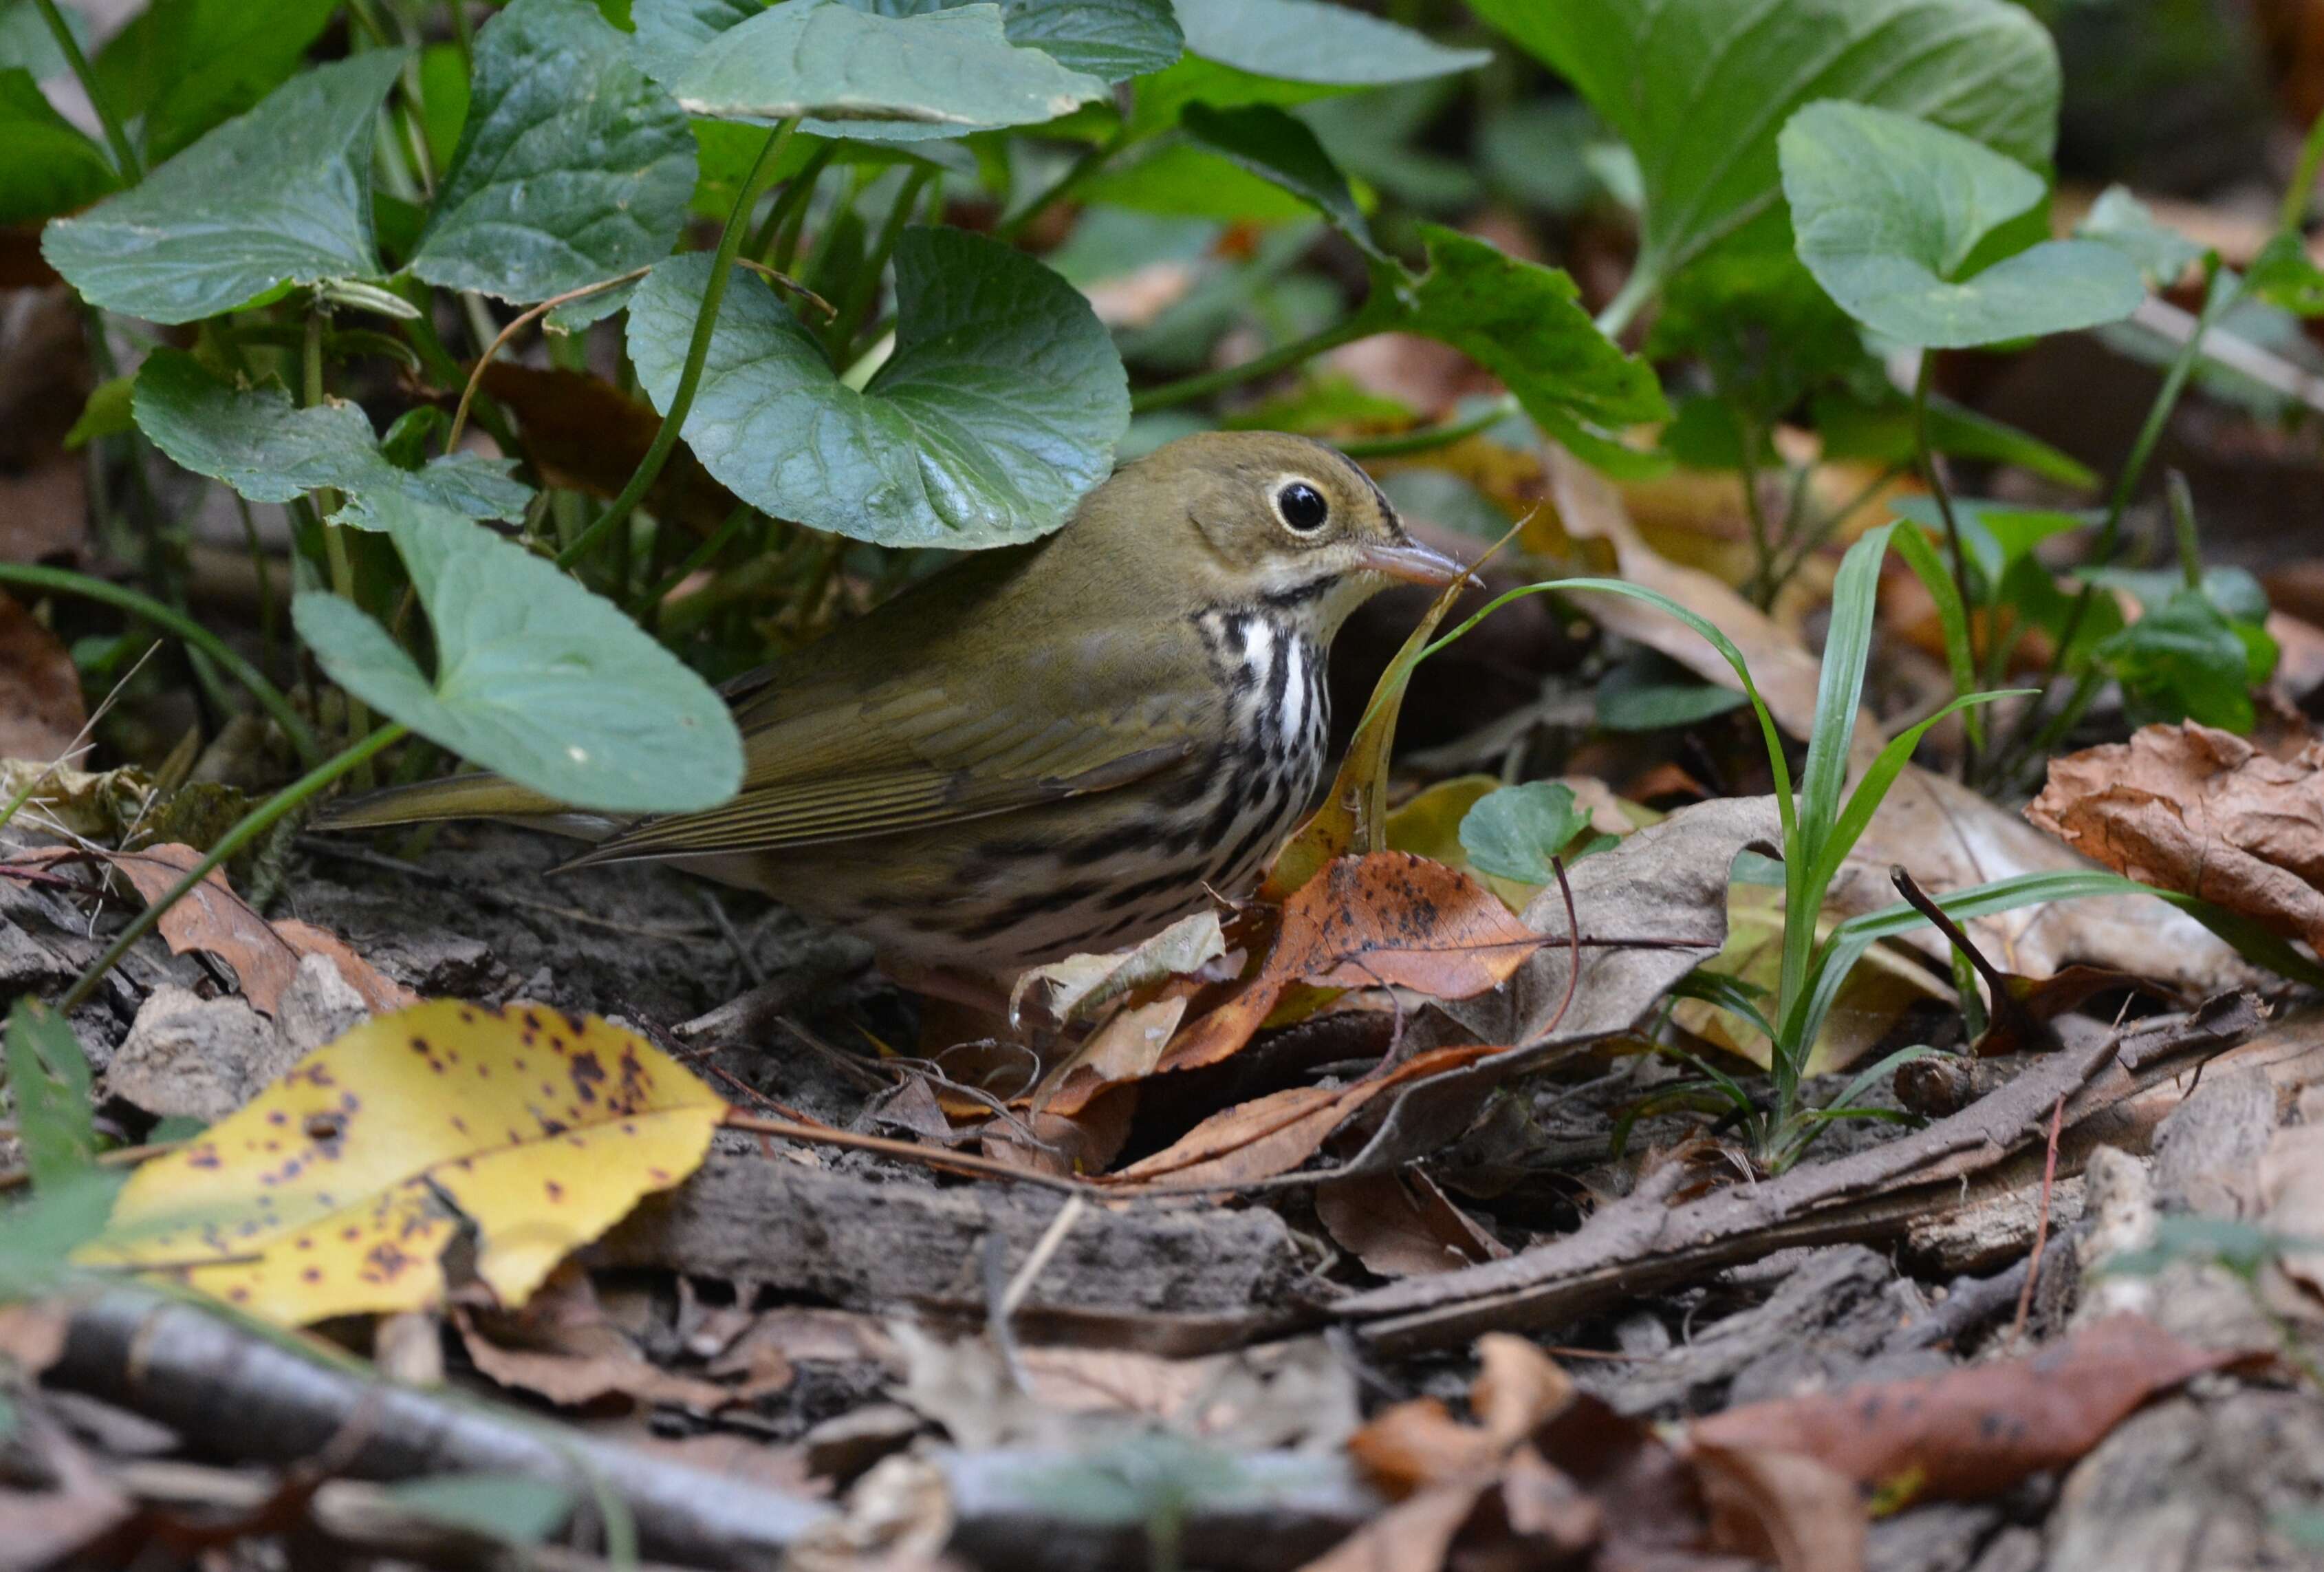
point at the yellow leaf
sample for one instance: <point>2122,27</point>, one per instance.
<point>337,1190</point>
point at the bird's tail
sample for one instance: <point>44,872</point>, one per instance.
<point>476,795</point>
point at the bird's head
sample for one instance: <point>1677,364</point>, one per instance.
<point>1265,520</point>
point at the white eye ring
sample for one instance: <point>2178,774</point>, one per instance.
<point>1301,506</point>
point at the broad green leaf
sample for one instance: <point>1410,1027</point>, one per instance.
<point>1159,100</point>
<point>280,195</point>
<point>1309,40</point>
<point>1112,39</point>
<point>106,414</point>
<point>1994,536</point>
<point>573,165</point>
<point>2286,277</point>
<point>999,409</point>
<point>536,678</point>
<point>2121,220</point>
<point>1699,89</point>
<point>513,1508</point>
<point>1652,692</point>
<point>1178,177</point>
<point>1887,210</point>
<point>1848,427</point>
<point>1276,147</point>
<point>259,443</point>
<point>51,168</point>
<point>181,67</point>
<point>2182,661</point>
<point>1520,321</point>
<point>444,91</point>
<point>47,1088</point>
<point>953,70</point>
<point>1515,833</point>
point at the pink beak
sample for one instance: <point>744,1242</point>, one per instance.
<point>1412,562</point>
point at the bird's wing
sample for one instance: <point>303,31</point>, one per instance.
<point>915,754</point>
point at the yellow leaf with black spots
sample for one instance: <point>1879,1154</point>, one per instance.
<point>338,1188</point>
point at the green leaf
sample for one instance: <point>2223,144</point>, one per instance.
<point>2121,220</point>
<point>1996,536</point>
<point>444,93</point>
<point>572,166</point>
<point>1112,39</point>
<point>51,168</point>
<point>1277,148</point>
<point>2182,661</point>
<point>1887,209</point>
<point>954,70</point>
<point>106,414</point>
<point>1851,426</point>
<point>38,1237</point>
<point>513,1508</point>
<point>259,443</point>
<point>1180,179</point>
<point>999,409</point>
<point>1699,88</point>
<point>1520,321</point>
<point>1652,692</point>
<point>182,66</point>
<point>26,42</point>
<point>47,1082</point>
<point>1308,40</point>
<point>536,678</point>
<point>1515,832</point>
<point>280,195</point>
<point>2286,277</point>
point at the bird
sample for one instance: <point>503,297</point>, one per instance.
<point>1039,750</point>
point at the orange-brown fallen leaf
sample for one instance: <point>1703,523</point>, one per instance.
<point>264,955</point>
<point>1976,1432</point>
<point>1275,1133</point>
<point>1400,1225</point>
<point>563,1347</point>
<point>2194,808</point>
<point>1382,920</point>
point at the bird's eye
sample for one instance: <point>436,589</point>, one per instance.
<point>1303,507</point>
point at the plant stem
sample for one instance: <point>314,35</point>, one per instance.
<point>1203,383</point>
<point>1972,726</point>
<point>864,288</point>
<point>327,501</point>
<point>125,152</point>
<point>1080,170</point>
<point>1645,278</point>
<point>269,697</point>
<point>697,350</point>
<point>1430,438</point>
<point>2292,214</point>
<point>1755,512</point>
<point>249,828</point>
<point>2183,523</point>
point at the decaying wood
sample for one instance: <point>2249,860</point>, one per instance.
<point>1166,1278</point>
<point>2110,1083</point>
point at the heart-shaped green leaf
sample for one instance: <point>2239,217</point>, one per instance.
<point>955,69</point>
<point>535,677</point>
<point>1112,39</point>
<point>1699,89</point>
<point>1515,832</point>
<point>179,67</point>
<point>1000,407</point>
<point>1272,145</point>
<point>280,195</point>
<point>50,167</point>
<point>1887,210</point>
<point>1520,321</point>
<point>1309,40</point>
<point>572,166</point>
<point>270,450</point>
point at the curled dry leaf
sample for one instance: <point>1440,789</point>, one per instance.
<point>1799,1514</point>
<point>1079,987</point>
<point>563,1347</point>
<point>1974,1432</point>
<point>1400,1225</point>
<point>1275,1133</point>
<point>337,1189</point>
<point>1383,920</point>
<point>2194,808</point>
<point>264,955</point>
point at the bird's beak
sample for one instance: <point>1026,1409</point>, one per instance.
<point>1412,562</point>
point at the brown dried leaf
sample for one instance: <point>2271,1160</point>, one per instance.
<point>264,955</point>
<point>41,710</point>
<point>587,435</point>
<point>1275,1133</point>
<point>1795,1511</point>
<point>563,1347</point>
<point>1385,919</point>
<point>2194,808</point>
<point>1976,1432</point>
<point>1400,1225</point>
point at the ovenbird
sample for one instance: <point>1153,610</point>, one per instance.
<point>1043,749</point>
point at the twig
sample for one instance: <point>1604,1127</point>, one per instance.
<point>2041,1226</point>
<point>908,1151</point>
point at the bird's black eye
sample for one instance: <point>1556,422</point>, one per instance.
<point>1303,507</point>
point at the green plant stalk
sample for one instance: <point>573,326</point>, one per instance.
<point>1646,278</point>
<point>326,502</point>
<point>249,828</point>
<point>1430,438</point>
<point>1762,550</point>
<point>269,697</point>
<point>1080,170</point>
<point>1972,726</point>
<point>697,350</point>
<point>862,290</point>
<point>125,152</point>
<point>2182,525</point>
<point>794,195</point>
<point>649,603</point>
<point>2291,213</point>
<point>1281,359</point>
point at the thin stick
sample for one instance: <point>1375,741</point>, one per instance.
<point>2041,1223</point>
<point>909,1152</point>
<point>1044,1249</point>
